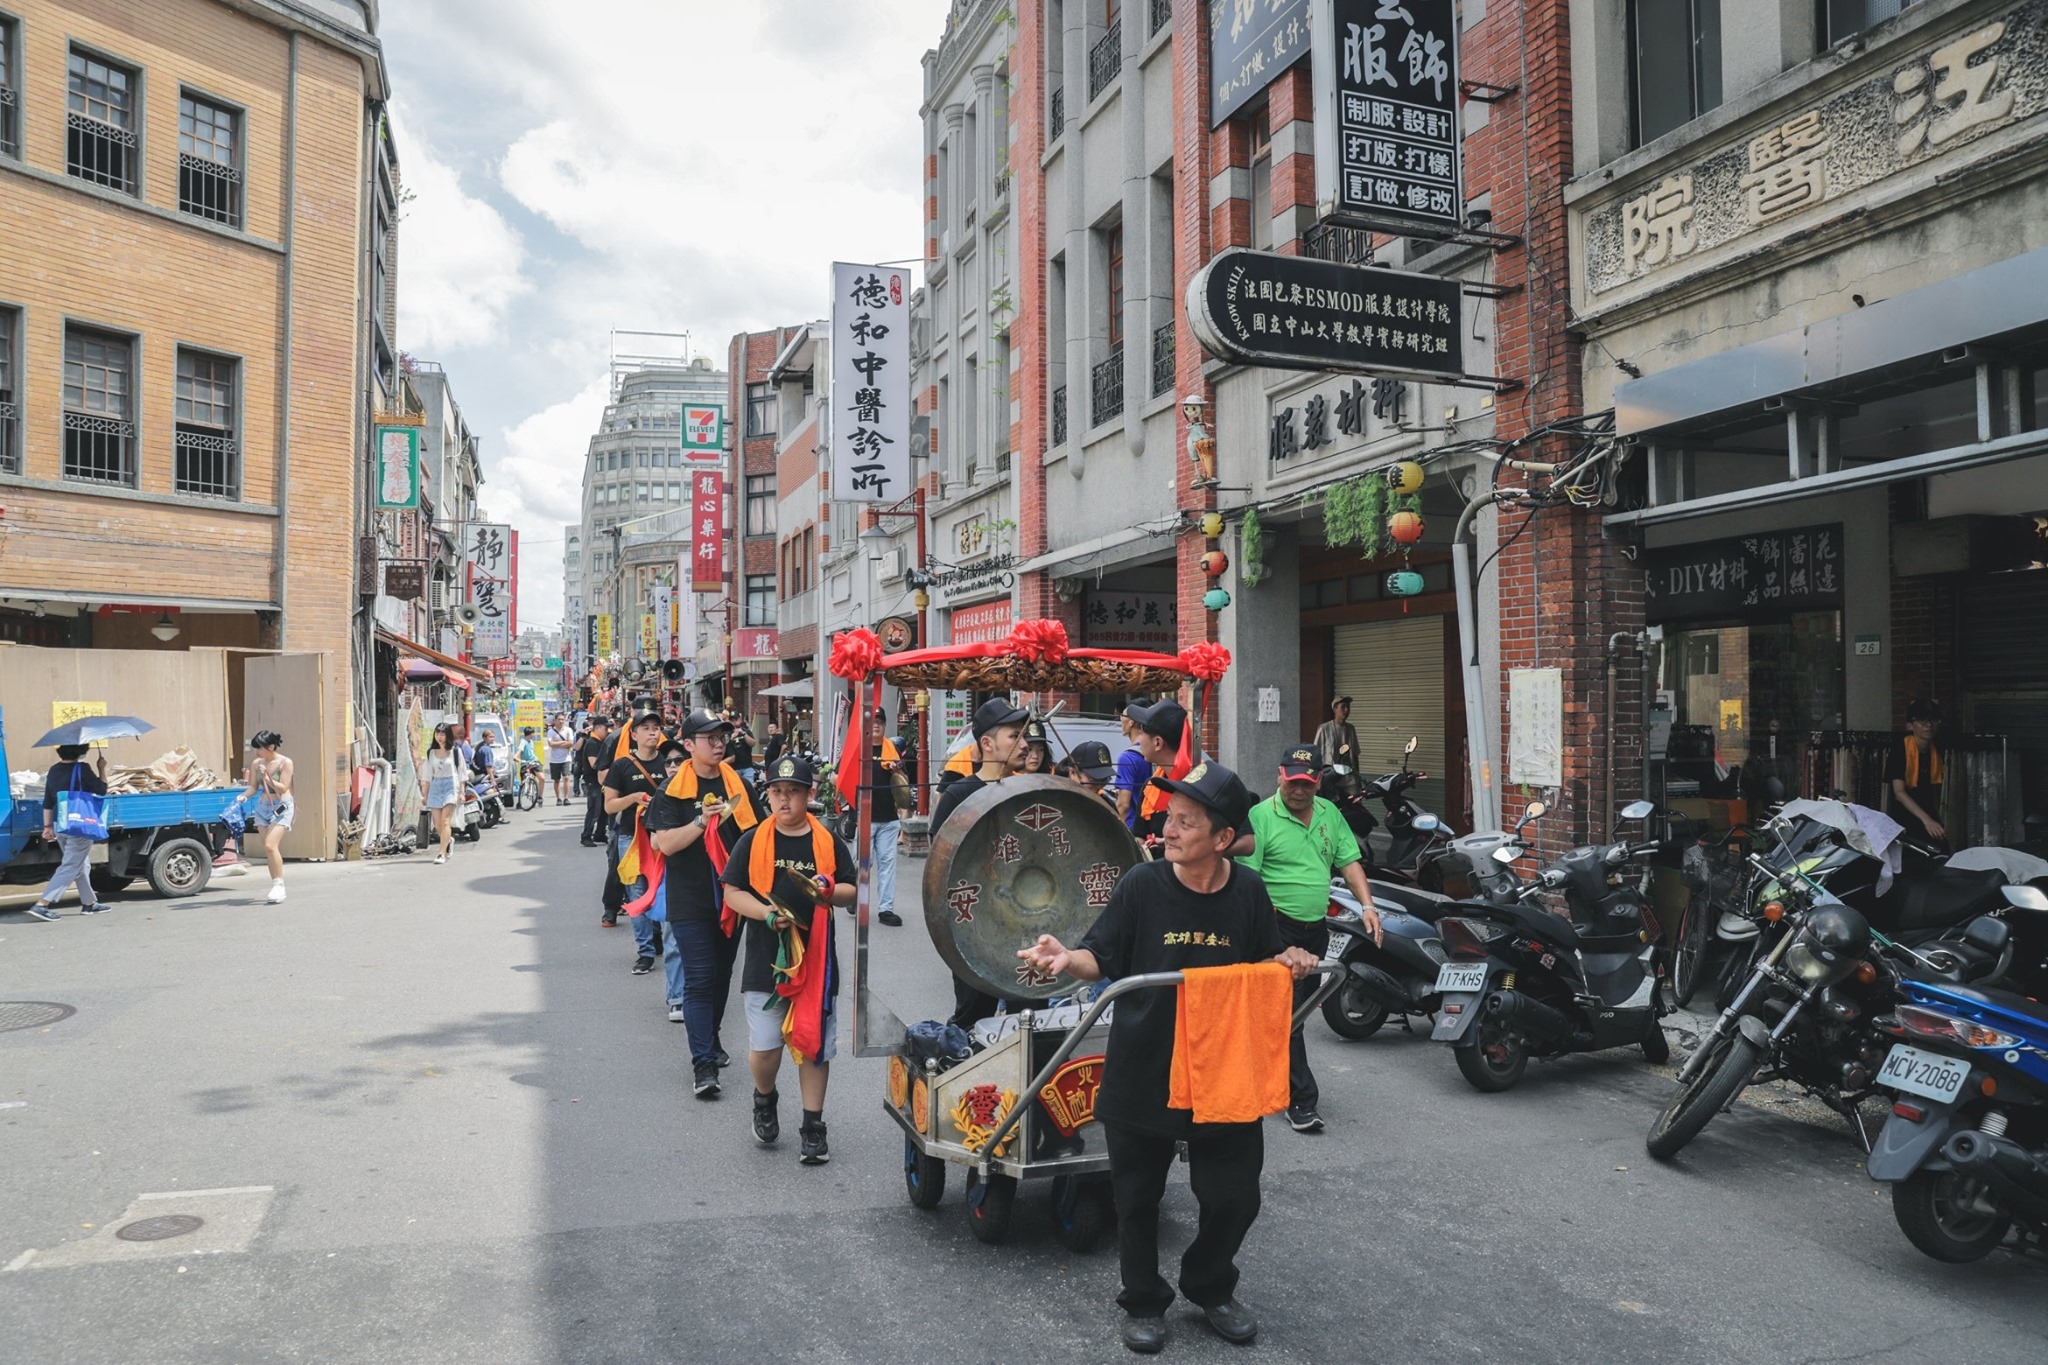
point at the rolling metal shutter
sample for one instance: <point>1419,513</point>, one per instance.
<point>1393,671</point>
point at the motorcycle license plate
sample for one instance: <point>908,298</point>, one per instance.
<point>1927,1074</point>
<point>1461,977</point>
<point>1338,943</point>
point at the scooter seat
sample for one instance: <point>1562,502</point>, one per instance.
<point>1936,898</point>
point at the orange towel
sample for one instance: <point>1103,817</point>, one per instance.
<point>1230,1042</point>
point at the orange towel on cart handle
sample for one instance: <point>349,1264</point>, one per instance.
<point>1231,1026</point>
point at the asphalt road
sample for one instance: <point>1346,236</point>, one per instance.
<point>428,1116</point>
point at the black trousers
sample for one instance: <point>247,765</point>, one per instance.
<point>614,889</point>
<point>1301,1082</point>
<point>971,1004</point>
<point>594,818</point>
<point>1224,1162</point>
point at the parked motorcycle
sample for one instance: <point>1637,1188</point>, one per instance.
<point>490,807</point>
<point>1808,1009</point>
<point>1522,981</point>
<point>1410,844</point>
<point>1966,1147</point>
<point>1393,978</point>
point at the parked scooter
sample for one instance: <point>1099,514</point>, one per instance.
<point>1522,981</point>
<point>1410,844</point>
<point>1393,978</point>
<point>483,787</point>
<point>1966,1147</point>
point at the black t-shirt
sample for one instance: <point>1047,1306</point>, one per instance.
<point>739,751</point>
<point>630,776</point>
<point>58,779</point>
<point>952,796</point>
<point>1926,792</point>
<point>884,794</point>
<point>1154,923</point>
<point>593,755</point>
<point>794,852</point>
<point>692,882</point>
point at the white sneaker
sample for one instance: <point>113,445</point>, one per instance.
<point>276,895</point>
<point>440,858</point>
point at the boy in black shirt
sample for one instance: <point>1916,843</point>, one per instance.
<point>629,785</point>
<point>808,856</point>
<point>1196,909</point>
<point>593,754</point>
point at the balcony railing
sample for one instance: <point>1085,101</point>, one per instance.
<point>100,153</point>
<point>8,142</point>
<point>1106,59</point>
<point>1162,13</point>
<point>1059,416</point>
<point>1344,245</point>
<point>1056,115</point>
<point>1162,359</point>
<point>101,449</point>
<point>206,463</point>
<point>10,449</point>
<point>1106,387</point>
<point>207,189</point>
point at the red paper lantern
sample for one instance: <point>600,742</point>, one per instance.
<point>1214,563</point>
<point>1405,527</point>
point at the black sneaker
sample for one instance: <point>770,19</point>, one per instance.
<point>96,908</point>
<point>814,1152</point>
<point>609,920</point>
<point>1304,1119</point>
<point>706,1087</point>
<point>891,918</point>
<point>721,1058</point>
<point>767,1123</point>
<point>642,966</point>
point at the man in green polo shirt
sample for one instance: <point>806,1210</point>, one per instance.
<point>1299,842</point>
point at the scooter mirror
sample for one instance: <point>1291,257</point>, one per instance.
<point>1341,769</point>
<point>2026,898</point>
<point>1426,822</point>
<point>1410,747</point>
<point>1639,810</point>
<point>1536,811</point>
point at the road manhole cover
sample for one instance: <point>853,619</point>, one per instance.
<point>20,1014</point>
<point>160,1229</point>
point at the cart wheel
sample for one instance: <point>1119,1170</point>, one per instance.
<point>181,867</point>
<point>1081,1212</point>
<point>989,1205</point>
<point>924,1176</point>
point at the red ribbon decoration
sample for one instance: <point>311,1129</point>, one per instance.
<point>1038,641</point>
<point>855,653</point>
<point>1206,661</point>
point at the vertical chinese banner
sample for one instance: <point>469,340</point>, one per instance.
<point>647,635</point>
<point>870,383</point>
<point>664,622</point>
<point>489,571</point>
<point>604,636</point>
<point>707,531</point>
<point>512,589</point>
<point>683,606</point>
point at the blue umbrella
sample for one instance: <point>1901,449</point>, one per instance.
<point>91,729</point>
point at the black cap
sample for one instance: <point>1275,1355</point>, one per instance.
<point>995,713</point>
<point>790,768</point>
<point>1092,758</point>
<point>1034,731</point>
<point>702,723</point>
<point>1300,761</point>
<point>1216,787</point>
<point>1922,709</point>
<point>1165,718</point>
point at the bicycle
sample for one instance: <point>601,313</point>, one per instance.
<point>531,788</point>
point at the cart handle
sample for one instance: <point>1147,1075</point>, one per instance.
<point>1331,972</point>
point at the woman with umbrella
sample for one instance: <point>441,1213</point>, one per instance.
<point>67,775</point>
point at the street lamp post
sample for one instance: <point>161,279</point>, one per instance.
<point>922,598</point>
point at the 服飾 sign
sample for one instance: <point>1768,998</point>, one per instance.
<point>870,383</point>
<point>707,531</point>
<point>1776,571</point>
<point>1295,313</point>
<point>704,432</point>
<point>398,468</point>
<point>1250,43</point>
<point>1386,82</point>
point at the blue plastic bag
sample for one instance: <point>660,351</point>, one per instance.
<point>80,812</point>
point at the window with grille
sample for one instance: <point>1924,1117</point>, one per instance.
<point>760,605</point>
<point>206,449</point>
<point>10,104</point>
<point>100,123</point>
<point>10,414</point>
<point>209,175</point>
<point>99,416</point>
<point>760,504</point>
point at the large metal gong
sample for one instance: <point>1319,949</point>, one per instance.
<point>1030,855</point>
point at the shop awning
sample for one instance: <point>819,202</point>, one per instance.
<point>448,664</point>
<point>800,689</point>
<point>423,671</point>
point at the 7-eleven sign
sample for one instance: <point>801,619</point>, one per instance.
<point>704,431</point>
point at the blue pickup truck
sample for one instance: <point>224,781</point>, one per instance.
<point>164,836</point>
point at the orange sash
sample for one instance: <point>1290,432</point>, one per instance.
<point>761,862</point>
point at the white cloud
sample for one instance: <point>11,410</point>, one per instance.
<point>459,261</point>
<point>535,482</point>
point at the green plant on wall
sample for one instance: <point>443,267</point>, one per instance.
<point>1355,513</point>
<point>1251,566</point>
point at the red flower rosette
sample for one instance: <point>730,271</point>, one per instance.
<point>1038,641</point>
<point>855,653</point>
<point>1206,661</point>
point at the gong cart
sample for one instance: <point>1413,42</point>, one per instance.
<point>1032,855</point>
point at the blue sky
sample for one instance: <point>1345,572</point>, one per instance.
<point>671,165</point>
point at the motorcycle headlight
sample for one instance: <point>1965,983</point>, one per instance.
<point>1829,945</point>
